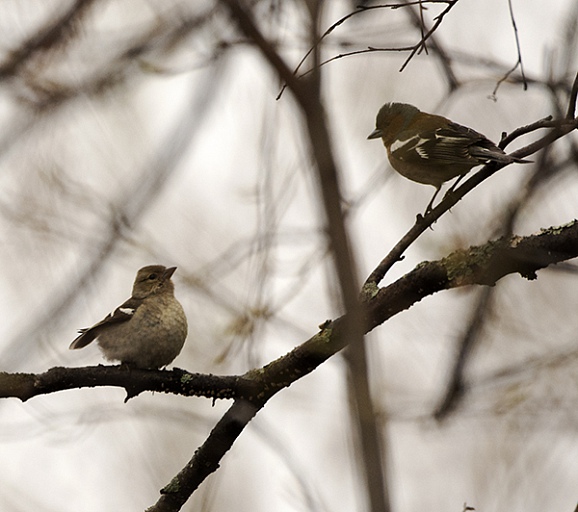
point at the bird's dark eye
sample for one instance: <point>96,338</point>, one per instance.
<point>151,277</point>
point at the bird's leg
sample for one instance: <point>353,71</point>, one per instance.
<point>429,207</point>
<point>448,192</point>
<point>454,185</point>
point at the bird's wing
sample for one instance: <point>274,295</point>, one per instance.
<point>437,147</point>
<point>121,314</point>
<point>474,144</point>
<point>452,145</point>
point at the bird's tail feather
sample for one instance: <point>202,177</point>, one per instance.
<point>86,336</point>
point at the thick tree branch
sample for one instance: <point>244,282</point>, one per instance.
<point>477,265</point>
<point>483,265</point>
<point>180,382</point>
<point>207,458</point>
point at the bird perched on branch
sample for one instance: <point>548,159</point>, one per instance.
<point>148,330</point>
<point>431,149</point>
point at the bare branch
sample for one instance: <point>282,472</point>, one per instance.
<point>180,382</point>
<point>47,38</point>
<point>482,265</point>
<point>519,63</point>
<point>444,58</point>
<point>455,387</point>
<point>571,112</point>
<point>360,10</point>
<point>422,42</point>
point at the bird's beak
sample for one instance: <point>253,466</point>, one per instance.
<point>375,134</point>
<point>168,273</point>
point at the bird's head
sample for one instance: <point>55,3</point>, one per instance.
<point>392,119</point>
<point>152,279</point>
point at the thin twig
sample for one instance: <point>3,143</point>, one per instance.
<point>545,122</point>
<point>519,62</point>
<point>435,45</point>
<point>438,20</point>
<point>357,52</point>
